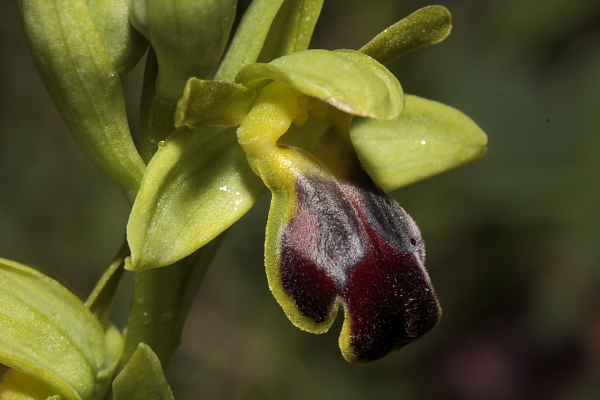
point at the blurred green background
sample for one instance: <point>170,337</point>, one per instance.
<point>513,240</point>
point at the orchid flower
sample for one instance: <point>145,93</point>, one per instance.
<point>333,236</point>
<point>327,132</point>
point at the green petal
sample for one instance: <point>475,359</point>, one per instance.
<point>428,138</point>
<point>196,186</point>
<point>48,333</point>
<point>123,44</point>
<point>84,85</point>
<point>429,25</point>
<point>142,378</point>
<point>213,103</point>
<point>334,77</point>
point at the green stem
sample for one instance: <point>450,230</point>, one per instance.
<point>161,300</point>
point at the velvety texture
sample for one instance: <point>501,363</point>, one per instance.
<point>350,239</point>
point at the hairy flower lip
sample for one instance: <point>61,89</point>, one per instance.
<point>389,300</point>
<point>353,245</point>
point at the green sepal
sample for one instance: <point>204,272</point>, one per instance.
<point>396,94</point>
<point>196,186</point>
<point>335,78</point>
<point>428,138</point>
<point>124,45</point>
<point>429,25</point>
<point>213,103</point>
<point>142,378</point>
<point>292,29</point>
<point>84,85</point>
<point>48,333</point>
<point>249,37</point>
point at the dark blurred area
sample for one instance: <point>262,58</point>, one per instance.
<point>513,239</point>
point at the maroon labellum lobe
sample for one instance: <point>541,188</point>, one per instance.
<point>389,300</point>
<point>352,241</point>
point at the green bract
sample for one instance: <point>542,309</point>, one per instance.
<point>49,335</point>
<point>84,85</point>
<point>196,186</point>
<point>142,378</point>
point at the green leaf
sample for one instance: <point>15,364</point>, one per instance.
<point>249,37</point>
<point>334,77</point>
<point>428,138</point>
<point>142,378</point>
<point>292,29</point>
<point>48,333</point>
<point>84,85</point>
<point>124,45</point>
<point>213,103</point>
<point>429,25</point>
<point>196,186</point>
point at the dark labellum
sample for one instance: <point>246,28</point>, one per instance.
<point>351,240</point>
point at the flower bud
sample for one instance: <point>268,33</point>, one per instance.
<point>123,44</point>
<point>188,37</point>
